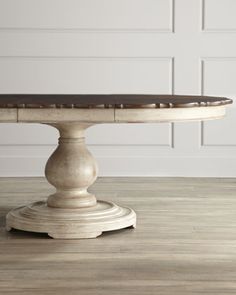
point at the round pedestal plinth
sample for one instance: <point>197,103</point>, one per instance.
<point>80,223</point>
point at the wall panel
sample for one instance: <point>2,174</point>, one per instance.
<point>122,46</point>
<point>87,14</point>
<point>218,78</point>
<point>219,15</point>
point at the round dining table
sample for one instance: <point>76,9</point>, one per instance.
<point>72,212</point>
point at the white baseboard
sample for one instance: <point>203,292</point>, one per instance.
<point>136,166</point>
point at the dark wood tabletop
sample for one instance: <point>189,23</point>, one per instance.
<point>108,101</point>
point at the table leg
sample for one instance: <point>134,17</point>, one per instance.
<point>71,212</point>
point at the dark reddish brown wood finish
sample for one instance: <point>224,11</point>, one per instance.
<point>107,100</point>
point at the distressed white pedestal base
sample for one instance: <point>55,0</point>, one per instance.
<point>71,223</point>
<point>71,212</point>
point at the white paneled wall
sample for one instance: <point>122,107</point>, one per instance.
<point>122,46</point>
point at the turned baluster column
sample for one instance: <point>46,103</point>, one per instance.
<point>71,169</point>
<point>71,212</point>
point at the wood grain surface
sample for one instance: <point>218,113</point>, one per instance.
<point>108,100</point>
<point>184,242</point>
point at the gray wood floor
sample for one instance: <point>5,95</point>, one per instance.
<point>185,242</point>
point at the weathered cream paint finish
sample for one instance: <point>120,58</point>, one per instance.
<point>169,115</point>
<point>71,212</point>
<point>54,115</point>
<point>71,169</point>
<point>8,115</point>
<point>80,223</point>
<point>125,115</point>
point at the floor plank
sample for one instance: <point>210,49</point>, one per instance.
<point>184,242</point>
